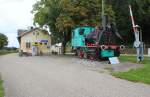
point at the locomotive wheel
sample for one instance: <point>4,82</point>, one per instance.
<point>80,54</point>
<point>85,55</point>
<point>92,57</point>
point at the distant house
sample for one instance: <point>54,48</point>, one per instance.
<point>35,41</point>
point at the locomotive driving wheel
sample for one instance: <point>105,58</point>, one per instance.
<point>93,54</point>
<point>92,57</point>
<point>85,55</point>
<point>80,53</point>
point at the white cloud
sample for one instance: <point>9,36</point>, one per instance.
<point>15,14</point>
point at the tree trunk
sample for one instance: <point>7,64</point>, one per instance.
<point>66,38</point>
<point>64,43</point>
<point>63,47</point>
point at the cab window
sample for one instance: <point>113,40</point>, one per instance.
<point>81,31</point>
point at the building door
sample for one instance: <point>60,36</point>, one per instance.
<point>34,50</point>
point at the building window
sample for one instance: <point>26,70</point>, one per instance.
<point>28,45</point>
<point>40,43</point>
<point>45,43</point>
<point>37,33</point>
<point>81,31</point>
<point>36,43</point>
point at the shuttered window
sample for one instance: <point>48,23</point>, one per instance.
<point>28,45</point>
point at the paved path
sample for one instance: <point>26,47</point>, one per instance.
<point>62,77</point>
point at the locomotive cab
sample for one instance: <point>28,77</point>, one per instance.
<point>78,36</point>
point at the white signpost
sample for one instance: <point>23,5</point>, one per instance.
<point>114,60</point>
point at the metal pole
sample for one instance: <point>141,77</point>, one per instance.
<point>132,18</point>
<point>138,44</point>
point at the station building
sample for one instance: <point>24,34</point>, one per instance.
<point>35,41</point>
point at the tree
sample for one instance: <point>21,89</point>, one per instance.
<point>142,16</point>
<point>3,40</point>
<point>63,15</point>
<point>141,10</point>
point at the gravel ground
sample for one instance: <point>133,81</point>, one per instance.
<point>57,76</point>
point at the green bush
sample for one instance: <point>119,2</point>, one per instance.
<point>3,52</point>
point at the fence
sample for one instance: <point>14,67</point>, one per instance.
<point>131,50</point>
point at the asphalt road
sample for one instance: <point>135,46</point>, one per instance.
<point>57,76</point>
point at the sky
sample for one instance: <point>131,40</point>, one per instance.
<point>14,15</point>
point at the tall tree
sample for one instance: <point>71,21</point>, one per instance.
<point>141,10</point>
<point>3,40</point>
<point>63,15</point>
<point>142,16</point>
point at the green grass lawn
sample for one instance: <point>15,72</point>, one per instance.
<point>4,52</point>
<point>136,75</point>
<point>1,89</point>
